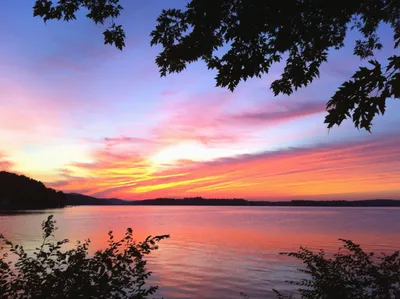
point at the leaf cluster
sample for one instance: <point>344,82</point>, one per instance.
<point>242,39</point>
<point>349,274</point>
<point>119,271</point>
<point>99,11</point>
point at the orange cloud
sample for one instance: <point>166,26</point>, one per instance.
<point>348,170</point>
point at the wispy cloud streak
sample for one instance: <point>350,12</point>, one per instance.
<point>350,170</point>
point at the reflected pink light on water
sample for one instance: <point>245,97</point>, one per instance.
<point>218,252</point>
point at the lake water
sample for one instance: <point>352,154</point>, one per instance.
<point>218,252</point>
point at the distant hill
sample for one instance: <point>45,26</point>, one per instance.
<point>21,192</point>
<point>76,199</point>
<point>330,203</point>
<point>191,201</point>
<point>199,201</point>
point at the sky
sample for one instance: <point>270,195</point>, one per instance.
<point>85,117</point>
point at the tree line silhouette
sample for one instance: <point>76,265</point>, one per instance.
<point>22,192</point>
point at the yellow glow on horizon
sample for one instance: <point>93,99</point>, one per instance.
<point>51,160</point>
<point>149,188</point>
<point>189,150</point>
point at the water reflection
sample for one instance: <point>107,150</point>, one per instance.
<point>217,252</point>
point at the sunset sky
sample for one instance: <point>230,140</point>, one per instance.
<point>85,117</point>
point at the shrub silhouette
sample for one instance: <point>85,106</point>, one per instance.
<point>119,271</point>
<point>349,274</point>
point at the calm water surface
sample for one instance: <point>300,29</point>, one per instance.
<point>218,252</point>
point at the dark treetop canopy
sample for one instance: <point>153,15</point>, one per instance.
<point>258,33</point>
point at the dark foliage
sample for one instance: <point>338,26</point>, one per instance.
<point>258,34</point>
<point>82,200</point>
<point>349,274</point>
<point>75,199</point>
<point>192,201</point>
<point>21,192</point>
<point>199,201</point>
<point>345,203</point>
<point>99,11</point>
<point>119,271</point>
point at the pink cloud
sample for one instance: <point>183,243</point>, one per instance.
<point>196,117</point>
<point>5,164</point>
<point>271,115</point>
<point>208,118</point>
<point>170,92</point>
<point>29,110</point>
<point>24,109</point>
<point>111,141</point>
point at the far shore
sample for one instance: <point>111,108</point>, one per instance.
<point>74,199</point>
